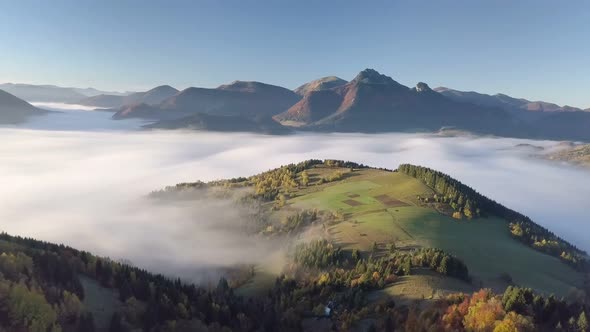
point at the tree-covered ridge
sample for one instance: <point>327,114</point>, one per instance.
<point>40,291</point>
<point>470,203</point>
<point>463,201</point>
<point>269,185</point>
<point>36,276</point>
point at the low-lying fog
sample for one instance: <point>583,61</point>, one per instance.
<point>87,187</point>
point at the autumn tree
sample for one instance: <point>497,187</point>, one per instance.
<point>304,178</point>
<point>514,322</point>
<point>583,322</point>
<point>483,315</point>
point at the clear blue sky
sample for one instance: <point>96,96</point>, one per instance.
<point>534,49</point>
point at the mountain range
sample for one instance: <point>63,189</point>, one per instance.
<point>504,101</point>
<point>52,93</point>
<point>250,99</point>
<point>371,102</point>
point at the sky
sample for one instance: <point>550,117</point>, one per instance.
<point>537,50</point>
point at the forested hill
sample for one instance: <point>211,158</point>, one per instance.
<point>467,202</point>
<point>41,290</point>
<point>327,281</point>
<point>463,200</point>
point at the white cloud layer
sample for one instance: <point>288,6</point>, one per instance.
<point>87,188</point>
<point>62,106</point>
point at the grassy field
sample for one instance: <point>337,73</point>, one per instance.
<point>422,285</point>
<point>381,207</point>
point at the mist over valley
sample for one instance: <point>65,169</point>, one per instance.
<point>79,178</point>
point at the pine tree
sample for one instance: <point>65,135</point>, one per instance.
<point>355,255</point>
<point>392,247</point>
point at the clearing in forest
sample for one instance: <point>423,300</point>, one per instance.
<point>389,211</point>
<point>101,302</point>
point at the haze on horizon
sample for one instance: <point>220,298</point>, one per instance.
<point>528,49</point>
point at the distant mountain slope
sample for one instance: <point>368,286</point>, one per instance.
<point>223,123</point>
<point>544,120</point>
<point>563,126</point>
<point>504,101</point>
<point>323,83</point>
<point>14,110</point>
<point>52,93</point>
<point>249,99</point>
<point>373,102</point>
<point>90,92</point>
<point>150,97</point>
<point>42,93</point>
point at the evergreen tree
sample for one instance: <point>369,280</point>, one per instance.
<point>392,247</point>
<point>355,255</point>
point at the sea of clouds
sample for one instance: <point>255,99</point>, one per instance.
<point>65,180</point>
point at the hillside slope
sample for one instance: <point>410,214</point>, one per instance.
<point>323,83</point>
<point>223,123</point>
<point>368,210</point>
<point>362,247</point>
<point>576,154</point>
<point>14,110</point>
<point>42,93</point>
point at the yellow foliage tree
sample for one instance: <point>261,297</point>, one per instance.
<point>514,322</point>
<point>483,316</point>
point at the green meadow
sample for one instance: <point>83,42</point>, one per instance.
<point>381,207</point>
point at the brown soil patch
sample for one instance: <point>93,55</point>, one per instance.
<point>353,195</point>
<point>390,201</point>
<point>352,202</point>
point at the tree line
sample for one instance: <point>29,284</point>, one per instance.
<point>473,204</point>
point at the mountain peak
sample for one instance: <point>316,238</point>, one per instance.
<point>323,83</point>
<point>244,86</point>
<point>164,87</point>
<point>167,89</point>
<point>371,76</point>
<point>422,87</point>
